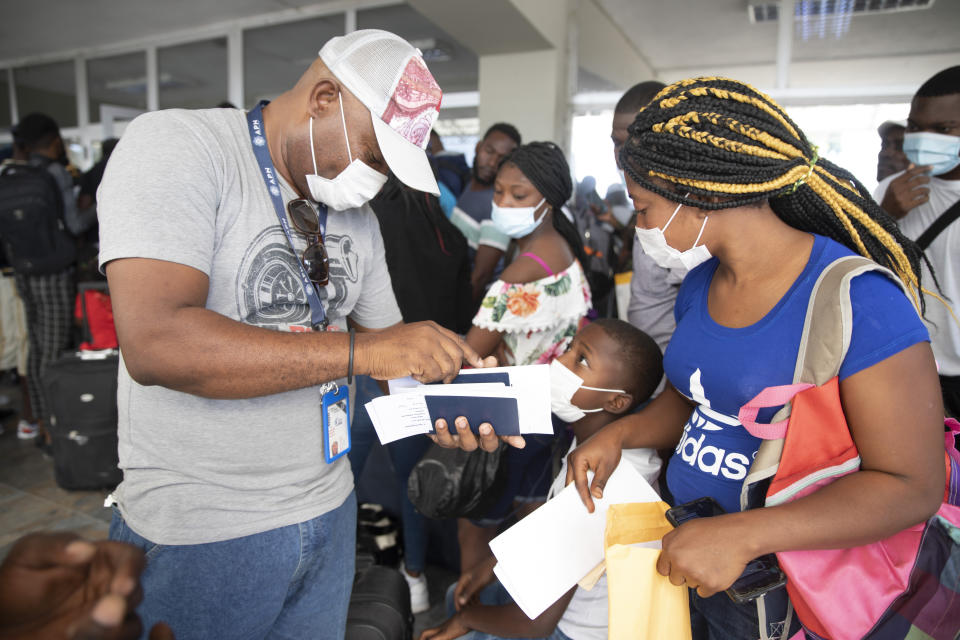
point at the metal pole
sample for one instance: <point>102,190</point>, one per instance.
<point>784,43</point>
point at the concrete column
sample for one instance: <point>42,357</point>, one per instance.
<point>531,89</point>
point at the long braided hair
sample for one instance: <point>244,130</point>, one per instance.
<point>545,166</point>
<point>720,137</point>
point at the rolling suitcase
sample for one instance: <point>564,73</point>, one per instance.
<point>81,390</point>
<point>380,606</point>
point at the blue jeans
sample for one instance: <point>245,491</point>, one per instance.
<point>404,454</point>
<point>493,595</point>
<point>720,618</point>
<point>288,583</point>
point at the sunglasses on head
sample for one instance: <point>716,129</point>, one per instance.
<point>305,220</point>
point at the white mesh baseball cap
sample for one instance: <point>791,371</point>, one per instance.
<point>388,75</point>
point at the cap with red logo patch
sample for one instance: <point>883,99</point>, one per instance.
<point>388,75</point>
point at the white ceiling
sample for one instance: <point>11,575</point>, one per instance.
<point>677,38</point>
<point>39,27</point>
<point>680,37</point>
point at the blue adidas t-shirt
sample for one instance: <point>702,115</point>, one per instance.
<point>721,368</point>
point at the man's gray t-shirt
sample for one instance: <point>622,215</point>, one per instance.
<point>184,187</point>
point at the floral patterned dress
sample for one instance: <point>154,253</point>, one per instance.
<point>538,319</point>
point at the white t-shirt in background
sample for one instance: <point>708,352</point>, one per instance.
<point>944,255</point>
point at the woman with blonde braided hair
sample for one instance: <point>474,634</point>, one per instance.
<point>731,194</point>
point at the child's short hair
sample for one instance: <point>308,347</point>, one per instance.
<point>641,355</point>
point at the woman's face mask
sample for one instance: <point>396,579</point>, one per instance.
<point>517,222</point>
<point>564,384</point>
<point>352,187</point>
<point>654,244</point>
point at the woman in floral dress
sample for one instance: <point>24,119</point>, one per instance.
<point>541,298</point>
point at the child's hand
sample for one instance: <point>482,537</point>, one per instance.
<point>472,581</point>
<point>452,628</point>
<point>463,437</point>
<point>600,453</point>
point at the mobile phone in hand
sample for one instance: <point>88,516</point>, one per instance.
<point>761,575</point>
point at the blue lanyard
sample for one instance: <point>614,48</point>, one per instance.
<point>318,318</point>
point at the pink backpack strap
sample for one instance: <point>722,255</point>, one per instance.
<point>539,260</point>
<point>769,397</point>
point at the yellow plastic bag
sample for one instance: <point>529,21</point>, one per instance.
<point>643,604</point>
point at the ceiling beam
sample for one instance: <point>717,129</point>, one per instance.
<point>490,27</point>
<point>201,32</point>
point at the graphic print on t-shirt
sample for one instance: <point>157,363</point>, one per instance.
<point>713,455</point>
<point>269,292</point>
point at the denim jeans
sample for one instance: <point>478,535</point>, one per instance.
<point>720,618</point>
<point>493,595</point>
<point>288,583</point>
<point>404,454</point>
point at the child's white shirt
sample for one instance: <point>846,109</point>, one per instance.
<point>586,615</point>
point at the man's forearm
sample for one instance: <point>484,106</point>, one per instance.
<point>206,354</point>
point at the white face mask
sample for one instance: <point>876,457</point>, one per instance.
<point>354,186</point>
<point>563,385</point>
<point>516,222</point>
<point>655,245</point>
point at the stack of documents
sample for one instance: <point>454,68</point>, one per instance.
<point>541,557</point>
<point>514,400</point>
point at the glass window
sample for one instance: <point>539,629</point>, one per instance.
<point>119,81</point>
<point>454,66</point>
<point>48,88</point>
<point>5,120</point>
<point>193,75</point>
<point>275,57</point>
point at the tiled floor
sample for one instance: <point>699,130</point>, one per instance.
<point>30,500</point>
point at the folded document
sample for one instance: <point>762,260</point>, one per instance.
<point>514,400</point>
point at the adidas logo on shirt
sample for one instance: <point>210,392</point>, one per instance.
<point>709,459</point>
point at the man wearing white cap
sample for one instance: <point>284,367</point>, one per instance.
<point>234,244</point>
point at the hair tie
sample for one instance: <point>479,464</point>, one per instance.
<point>812,162</point>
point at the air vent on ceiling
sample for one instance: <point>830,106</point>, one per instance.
<point>770,11</point>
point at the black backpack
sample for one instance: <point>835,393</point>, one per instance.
<point>34,237</point>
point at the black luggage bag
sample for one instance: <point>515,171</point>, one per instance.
<point>380,606</point>
<point>81,390</point>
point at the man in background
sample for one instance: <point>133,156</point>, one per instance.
<point>472,213</point>
<point>653,289</point>
<point>891,158</point>
<point>925,198</point>
<point>41,248</point>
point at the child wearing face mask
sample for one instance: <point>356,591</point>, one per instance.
<point>609,369</point>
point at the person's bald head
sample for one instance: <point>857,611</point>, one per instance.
<point>630,103</point>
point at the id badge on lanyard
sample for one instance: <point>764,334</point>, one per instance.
<point>335,411</point>
<point>334,399</point>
